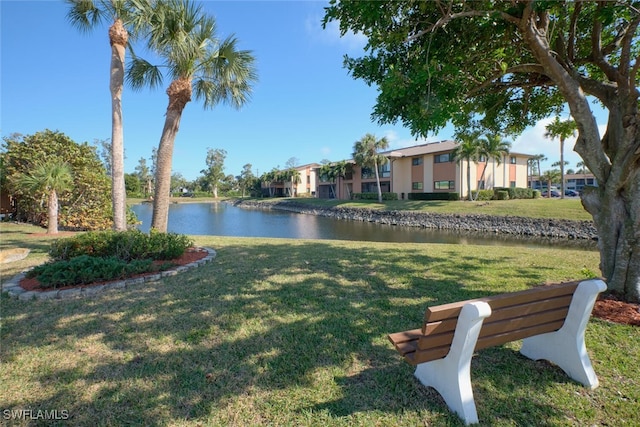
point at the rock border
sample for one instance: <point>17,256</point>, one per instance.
<point>13,288</point>
<point>475,223</point>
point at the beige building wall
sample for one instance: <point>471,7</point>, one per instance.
<point>402,176</point>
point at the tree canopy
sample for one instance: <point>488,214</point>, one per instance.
<point>86,206</point>
<point>503,66</point>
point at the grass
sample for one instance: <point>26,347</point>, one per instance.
<point>570,208</point>
<point>293,332</point>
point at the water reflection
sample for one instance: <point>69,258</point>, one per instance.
<point>222,219</point>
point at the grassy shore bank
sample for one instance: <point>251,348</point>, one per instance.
<point>293,332</point>
<point>569,208</point>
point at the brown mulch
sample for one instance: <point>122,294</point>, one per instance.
<point>189,256</point>
<point>607,307</point>
<point>610,308</point>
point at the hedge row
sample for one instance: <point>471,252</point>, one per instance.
<point>433,196</point>
<point>374,196</point>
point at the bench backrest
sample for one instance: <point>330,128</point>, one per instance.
<point>513,316</point>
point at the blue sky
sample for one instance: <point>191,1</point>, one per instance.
<point>305,104</point>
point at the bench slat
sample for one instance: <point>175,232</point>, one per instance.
<point>500,328</point>
<point>449,325</point>
<point>405,336</point>
<point>506,326</point>
<point>452,310</point>
<point>420,356</point>
<point>494,340</point>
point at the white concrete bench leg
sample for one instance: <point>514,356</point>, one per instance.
<point>566,347</point>
<point>451,376</point>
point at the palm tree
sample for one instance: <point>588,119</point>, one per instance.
<point>366,154</point>
<point>562,131</point>
<point>493,148</point>
<point>467,151</point>
<point>340,171</point>
<point>126,17</point>
<point>326,172</point>
<point>550,176</point>
<point>199,64</point>
<point>531,164</point>
<point>49,179</point>
<point>293,176</point>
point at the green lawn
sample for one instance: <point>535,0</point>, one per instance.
<point>293,332</point>
<point>570,208</point>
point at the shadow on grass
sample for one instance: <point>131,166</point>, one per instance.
<point>244,333</point>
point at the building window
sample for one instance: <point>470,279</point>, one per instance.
<point>442,158</point>
<point>480,185</point>
<point>385,170</point>
<point>372,187</point>
<point>512,184</point>
<point>512,160</point>
<point>444,185</point>
<point>416,161</point>
<point>482,159</point>
<point>367,173</point>
<point>416,186</point>
<point>308,179</point>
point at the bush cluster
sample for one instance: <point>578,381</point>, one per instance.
<point>86,269</point>
<point>505,193</point>
<point>124,245</point>
<point>107,255</point>
<point>374,196</point>
<point>434,196</point>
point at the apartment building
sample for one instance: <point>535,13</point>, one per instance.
<point>284,186</point>
<point>429,168</point>
<point>575,182</point>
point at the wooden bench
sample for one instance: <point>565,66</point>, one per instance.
<point>551,321</point>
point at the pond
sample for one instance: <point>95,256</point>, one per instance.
<point>223,219</point>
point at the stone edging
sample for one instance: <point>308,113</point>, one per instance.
<point>13,288</point>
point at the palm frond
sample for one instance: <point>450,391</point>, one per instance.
<point>141,73</point>
<point>84,15</point>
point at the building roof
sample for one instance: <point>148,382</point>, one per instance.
<point>431,148</point>
<point>417,150</point>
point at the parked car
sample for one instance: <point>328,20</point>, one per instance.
<point>571,193</point>
<point>554,193</point>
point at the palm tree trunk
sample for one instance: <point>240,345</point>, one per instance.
<point>378,181</point>
<point>179,92</point>
<point>52,220</point>
<point>470,195</point>
<point>484,170</point>
<point>118,37</point>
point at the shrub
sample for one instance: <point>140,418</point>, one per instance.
<point>86,269</point>
<point>482,194</point>
<point>374,196</point>
<point>502,195</point>
<point>433,196</point>
<point>124,245</point>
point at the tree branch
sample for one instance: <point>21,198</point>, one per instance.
<point>596,52</point>
<point>448,17</point>
<point>571,49</point>
<point>627,43</point>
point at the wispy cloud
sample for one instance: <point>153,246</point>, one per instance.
<point>353,43</point>
<point>398,141</point>
<point>533,141</point>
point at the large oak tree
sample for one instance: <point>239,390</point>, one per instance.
<point>504,65</point>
